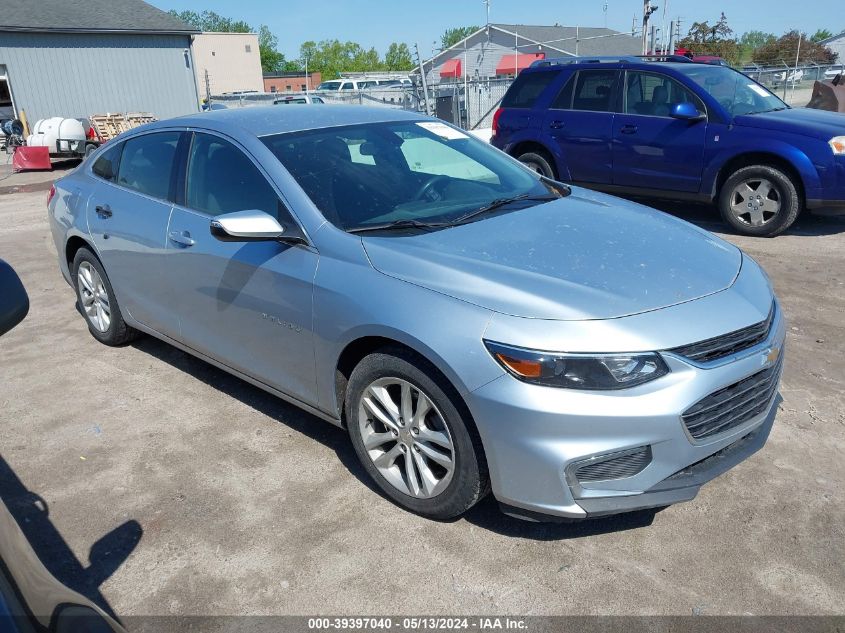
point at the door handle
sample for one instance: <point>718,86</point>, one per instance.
<point>103,211</point>
<point>556,125</point>
<point>629,129</point>
<point>182,237</point>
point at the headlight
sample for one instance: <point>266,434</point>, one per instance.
<point>837,144</point>
<point>578,371</point>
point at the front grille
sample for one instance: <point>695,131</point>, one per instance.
<point>733,405</point>
<point>627,464</point>
<point>727,344</point>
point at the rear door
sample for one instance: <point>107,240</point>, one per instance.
<point>651,149</point>
<point>580,123</point>
<point>518,111</point>
<point>127,218</point>
<point>245,304</point>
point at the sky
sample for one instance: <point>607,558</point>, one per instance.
<point>379,22</point>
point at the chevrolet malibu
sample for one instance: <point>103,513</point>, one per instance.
<point>474,325</point>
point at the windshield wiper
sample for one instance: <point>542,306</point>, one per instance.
<point>501,202</point>
<point>397,225</point>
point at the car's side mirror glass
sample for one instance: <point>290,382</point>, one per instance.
<point>685,111</point>
<point>252,226</point>
<point>14,302</point>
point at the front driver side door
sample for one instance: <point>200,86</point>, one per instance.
<point>248,305</point>
<point>651,149</point>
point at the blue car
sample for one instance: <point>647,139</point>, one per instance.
<point>677,130</point>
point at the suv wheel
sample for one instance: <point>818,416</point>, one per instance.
<point>410,436</point>
<point>759,200</point>
<point>97,303</point>
<point>540,163</point>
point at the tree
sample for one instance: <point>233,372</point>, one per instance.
<point>452,36</point>
<point>271,59</point>
<point>704,39</point>
<point>821,34</point>
<point>398,57</point>
<point>332,57</point>
<point>755,39</point>
<point>785,48</point>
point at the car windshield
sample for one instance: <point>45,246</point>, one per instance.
<point>735,92</point>
<point>405,173</point>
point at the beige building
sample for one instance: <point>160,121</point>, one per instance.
<point>232,61</point>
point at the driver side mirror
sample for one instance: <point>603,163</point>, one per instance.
<point>14,303</point>
<point>253,226</point>
<point>686,111</point>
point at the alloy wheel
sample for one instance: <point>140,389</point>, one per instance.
<point>755,201</point>
<point>94,297</point>
<point>406,437</point>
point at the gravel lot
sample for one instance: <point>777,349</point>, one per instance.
<point>228,501</point>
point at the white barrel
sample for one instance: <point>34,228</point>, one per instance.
<point>46,132</point>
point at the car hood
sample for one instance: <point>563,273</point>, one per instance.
<point>586,256</point>
<point>807,121</point>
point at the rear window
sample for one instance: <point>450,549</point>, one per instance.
<point>147,163</point>
<point>527,87</point>
<point>593,90</point>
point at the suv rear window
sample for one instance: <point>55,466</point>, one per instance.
<point>526,88</point>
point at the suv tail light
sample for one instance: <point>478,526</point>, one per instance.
<point>50,194</point>
<point>496,116</point>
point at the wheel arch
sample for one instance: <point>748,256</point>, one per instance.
<point>72,246</point>
<point>766,158</point>
<point>522,147</point>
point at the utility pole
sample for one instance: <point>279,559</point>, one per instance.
<point>207,90</point>
<point>422,78</point>
<point>648,9</point>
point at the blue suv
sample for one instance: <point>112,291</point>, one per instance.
<point>679,130</point>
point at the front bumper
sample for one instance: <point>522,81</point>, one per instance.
<point>533,436</point>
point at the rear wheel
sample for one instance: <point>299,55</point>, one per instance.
<point>97,302</point>
<point>405,424</point>
<point>539,162</point>
<point>759,200</point>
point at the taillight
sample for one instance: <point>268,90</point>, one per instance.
<point>50,194</point>
<point>496,116</point>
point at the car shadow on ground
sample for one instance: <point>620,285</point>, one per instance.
<point>485,515</point>
<point>707,217</point>
<point>32,514</point>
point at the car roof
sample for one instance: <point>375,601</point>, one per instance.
<point>266,120</point>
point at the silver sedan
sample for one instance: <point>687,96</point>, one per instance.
<point>474,325</point>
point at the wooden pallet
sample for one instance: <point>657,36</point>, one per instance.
<point>107,126</point>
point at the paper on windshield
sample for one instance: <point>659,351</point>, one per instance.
<point>759,90</point>
<point>442,130</point>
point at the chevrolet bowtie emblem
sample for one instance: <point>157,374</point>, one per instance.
<point>772,356</point>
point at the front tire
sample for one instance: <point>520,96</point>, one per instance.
<point>97,303</point>
<point>759,200</point>
<point>406,426</point>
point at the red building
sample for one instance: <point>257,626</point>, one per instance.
<point>291,82</point>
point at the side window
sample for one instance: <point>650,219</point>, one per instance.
<point>654,94</point>
<point>593,90</point>
<point>563,101</point>
<point>526,88</point>
<point>106,165</point>
<point>221,179</point>
<point>346,86</point>
<point>147,163</point>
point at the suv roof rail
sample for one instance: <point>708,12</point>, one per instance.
<point>601,59</point>
<point>609,59</point>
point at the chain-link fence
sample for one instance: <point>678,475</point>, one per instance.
<point>471,104</point>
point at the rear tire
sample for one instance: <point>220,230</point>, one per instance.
<point>447,474</point>
<point>759,200</point>
<point>539,162</point>
<point>97,303</point>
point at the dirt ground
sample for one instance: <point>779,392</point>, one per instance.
<point>208,496</point>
